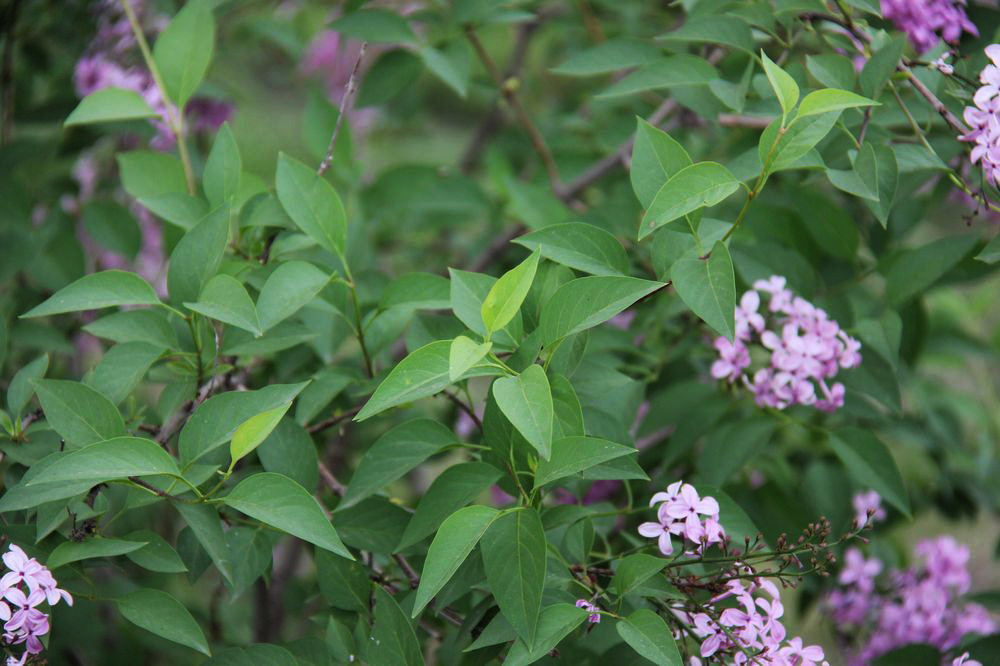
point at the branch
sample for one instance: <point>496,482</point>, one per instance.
<point>330,480</point>
<point>465,408</point>
<point>935,103</point>
<point>180,417</point>
<point>333,420</point>
<point>348,93</point>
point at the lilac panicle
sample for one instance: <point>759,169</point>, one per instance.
<point>23,588</point>
<point>927,21</point>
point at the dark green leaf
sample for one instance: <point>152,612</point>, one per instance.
<point>708,287</point>
<point>392,639</point>
<point>74,551</point>
<point>526,401</point>
<point>184,49</point>
<point>588,301</point>
<point>77,412</point>
<point>650,636</point>
<point>693,187</point>
<point>513,550</point>
<point>571,455</point>
<point>108,105</point>
<point>161,614</point>
<point>870,464</point>
<point>98,290</point>
<point>581,246</point>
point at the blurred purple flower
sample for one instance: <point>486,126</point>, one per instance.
<point>984,118</point>
<point>866,502</point>
<point>927,21</point>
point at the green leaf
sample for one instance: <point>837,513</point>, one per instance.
<point>215,421</point>
<point>581,246</point>
<point>156,555</point>
<point>831,99</point>
<point>611,56</point>
<point>715,29</point>
<point>887,175</point>
<point>588,301</point>
<point>312,203</point>
<point>204,524</point>
<point>467,293</point>
<point>555,622</point>
<point>513,550</point>
<point>392,638</point>
<point>254,431</point>
<point>526,401</point>
<point>177,208</point>
<point>197,257</point>
<point>506,295</point>
<point>991,253</point>
<point>777,153</point>
<point>27,496</point>
<point>423,373</point>
<point>113,227</point>
<point>575,454</point>
<point>97,290</point>
<point>667,72</point>
<point>881,66</point>
<point>291,286</point>
<point>374,25</point>
<point>117,458</point>
<point>454,488</point>
<point>419,291</point>
<point>870,464</point>
<point>226,299</point>
<point>464,354</point>
<point>289,450</point>
<point>783,85</point>
<point>109,105</point>
<point>650,636</point>
<point>394,454</point>
<point>144,325</point>
<point>453,65</point>
<point>285,505</point>
<point>633,571</point>
<point>184,49</point>
<point>20,389</point>
<point>344,583</point>
<point>74,551</point>
<point>454,540</point>
<point>693,187</point>
<point>708,287</point>
<point>122,368</point>
<point>914,271</point>
<point>862,180</point>
<point>832,70</point>
<point>656,157</point>
<point>161,614</point>
<point>77,412</point>
<point>145,173</point>
<point>223,169</point>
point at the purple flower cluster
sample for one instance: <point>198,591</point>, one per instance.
<point>806,346</point>
<point>593,609</point>
<point>867,508</point>
<point>22,589</point>
<point>926,21</point>
<point>751,626</point>
<point>681,513</point>
<point>921,604</point>
<point>984,118</point>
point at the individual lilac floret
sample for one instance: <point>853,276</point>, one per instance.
<point>23,589</point>
<point>867,508</point>
<point>921,604</point>
<point>682,512</point>
<point>806,347</point>
<point>593,609</point>
<point>964,660</point>
<point>984,118</point>
<point>927,21</point>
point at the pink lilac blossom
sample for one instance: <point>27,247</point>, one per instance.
<point>984,118</point>
<point>23,589</point>
<point>865,502</point>
<point>806,347</point>
<point>593,609</point>
<point>964,660</point>
<point>921,604</point>
<point>927,21</point>
<point>682,512</point>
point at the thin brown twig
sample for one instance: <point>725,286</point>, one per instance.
<point>333,420</point>
<point>408,569</point>
<point>465,408</point>
<point>330,480</point>
<point>344,101</point>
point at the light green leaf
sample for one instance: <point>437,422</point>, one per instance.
<point>74,551</point>
<point>147,173</point>
<point>991,253</point>
<point>555,622</point>
<point>374,25</point>
<point>312,203</point>
<point>526,401</point>
<point>161,614</point>
<point>862,180</point>
<point>513,550</point>
<point>693,187</point>
<point>575,454</point>
<point>117,458</point>
<point>223,169</point>
<point>611,56</point>
<point>454,488</point>
<point>581,246</point>
<point>831,99</point>
<point>184,49</point>
<point>650,636</point>
<point>656,157</point>
<point>869,462</point>
<point>783,85</point>
<point>20,389</point>
<point>178,208</point>
<point>832,70</point>
<point>464,354</point>
<point>197,257</point>
<point>291,286</point>
<point>97,290</point>
<point>394,454</point>
<point>226,299</point>
<point>254,431</point>
<point>285,505</point>
<point>506,295</point>
<point>454,540</point>
<point>708,287</point>
<point>781,152</point>
<point>109,105</point>
<point>588,301</point>
<point>77,412</point>
<point>392,638</point>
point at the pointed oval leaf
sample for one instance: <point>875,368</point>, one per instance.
<point>708,287</point>
<point>20,389</point>
<point>694,187</point>
<point>223,168</point>
<point>226,299</point>
<point>464,354</point>
<point>287,290</point>
<point>161,614</point>
<point>77,412</point>
<point>870,464</point>
<point>656,157</point>
<point>506,295</point>
<point>588,301</point>
<point>156,555</point>
<point>253,431</point>
<point>783,85</point>
<point>97,290</point>
<point>392,638</point>
<point>514,555</point>
<point>454,540</point>
<point>184,49</point>
<point>283,504</point>
<point>581,246</point>
<point>312,203</point>
<point>575,454</point>
<point>74,551</point>
<point>197,257</point>
<point>526,401</point>
<point>117,458</point>
<point>650,636</point>
<point>555,622</point>
<point>109,105</point>
<point>831,99</point>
